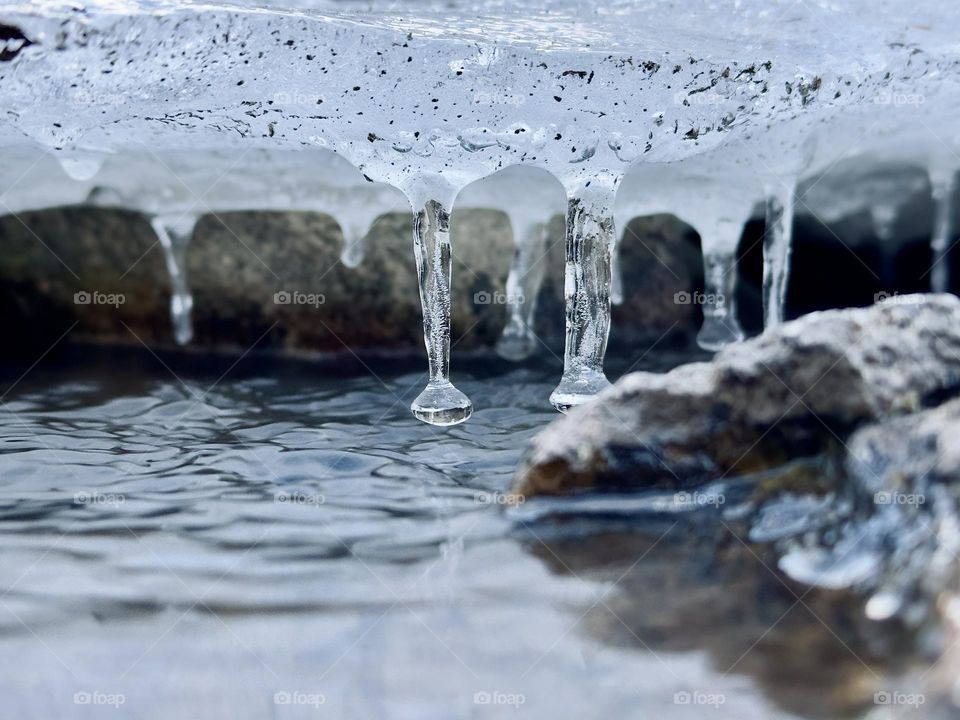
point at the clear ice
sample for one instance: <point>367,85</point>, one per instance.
<point>518,340</point>
<point>590,237</point>
<point>440,403</point>
<point>777,241</point>
<point>174,233</point>
<point>350,87</point>
<point>530,198</point>
<point>943,182</point>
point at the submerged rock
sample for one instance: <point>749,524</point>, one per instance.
<point>793,391</point>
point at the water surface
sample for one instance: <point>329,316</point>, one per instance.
<point>276,539</point>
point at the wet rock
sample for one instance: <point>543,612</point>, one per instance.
<point>791,392</point>
<point>903,530</point>
<point>237,262</point>
<point>662,266</point>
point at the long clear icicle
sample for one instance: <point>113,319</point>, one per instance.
<point>518,340</point>
<point>944,188</point>
<point>174,233</point>
<point>720,324</point>
<point>589,242</point>
<point>440,403</point>
<point>777,244</point>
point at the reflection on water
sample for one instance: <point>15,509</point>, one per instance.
<point>283,540</point>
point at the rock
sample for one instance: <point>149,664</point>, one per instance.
<point>788,393</point>
<point>237,261</point>
<point>907,454</point>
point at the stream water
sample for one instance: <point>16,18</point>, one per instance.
<point>272,539</point>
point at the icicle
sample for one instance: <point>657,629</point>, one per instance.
<point>106,196</point>
<point>523,285</point>
<point>440,403</point>
<point>616,274</point>
<point>590,236</point>
<point>884,217</point>
<point>777,243</point>
<point>720,324</point>
<point>355,233</point>
<point>353,245</point>
<point>80,167</point>
<point>174,233</point>
<point>944,187</point>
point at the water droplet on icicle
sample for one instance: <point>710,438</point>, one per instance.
<point>777,243</point>
<point>440,403</point>
<point>590,236</point>
<point>518,341</point>
<point>174,233</point>
<point>944,185</point>
<point>719,240</point>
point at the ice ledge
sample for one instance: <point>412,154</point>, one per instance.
<point>445,92</point>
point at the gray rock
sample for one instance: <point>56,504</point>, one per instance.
<point>790,392</point>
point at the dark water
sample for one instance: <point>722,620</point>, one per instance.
<point>277,539</point>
